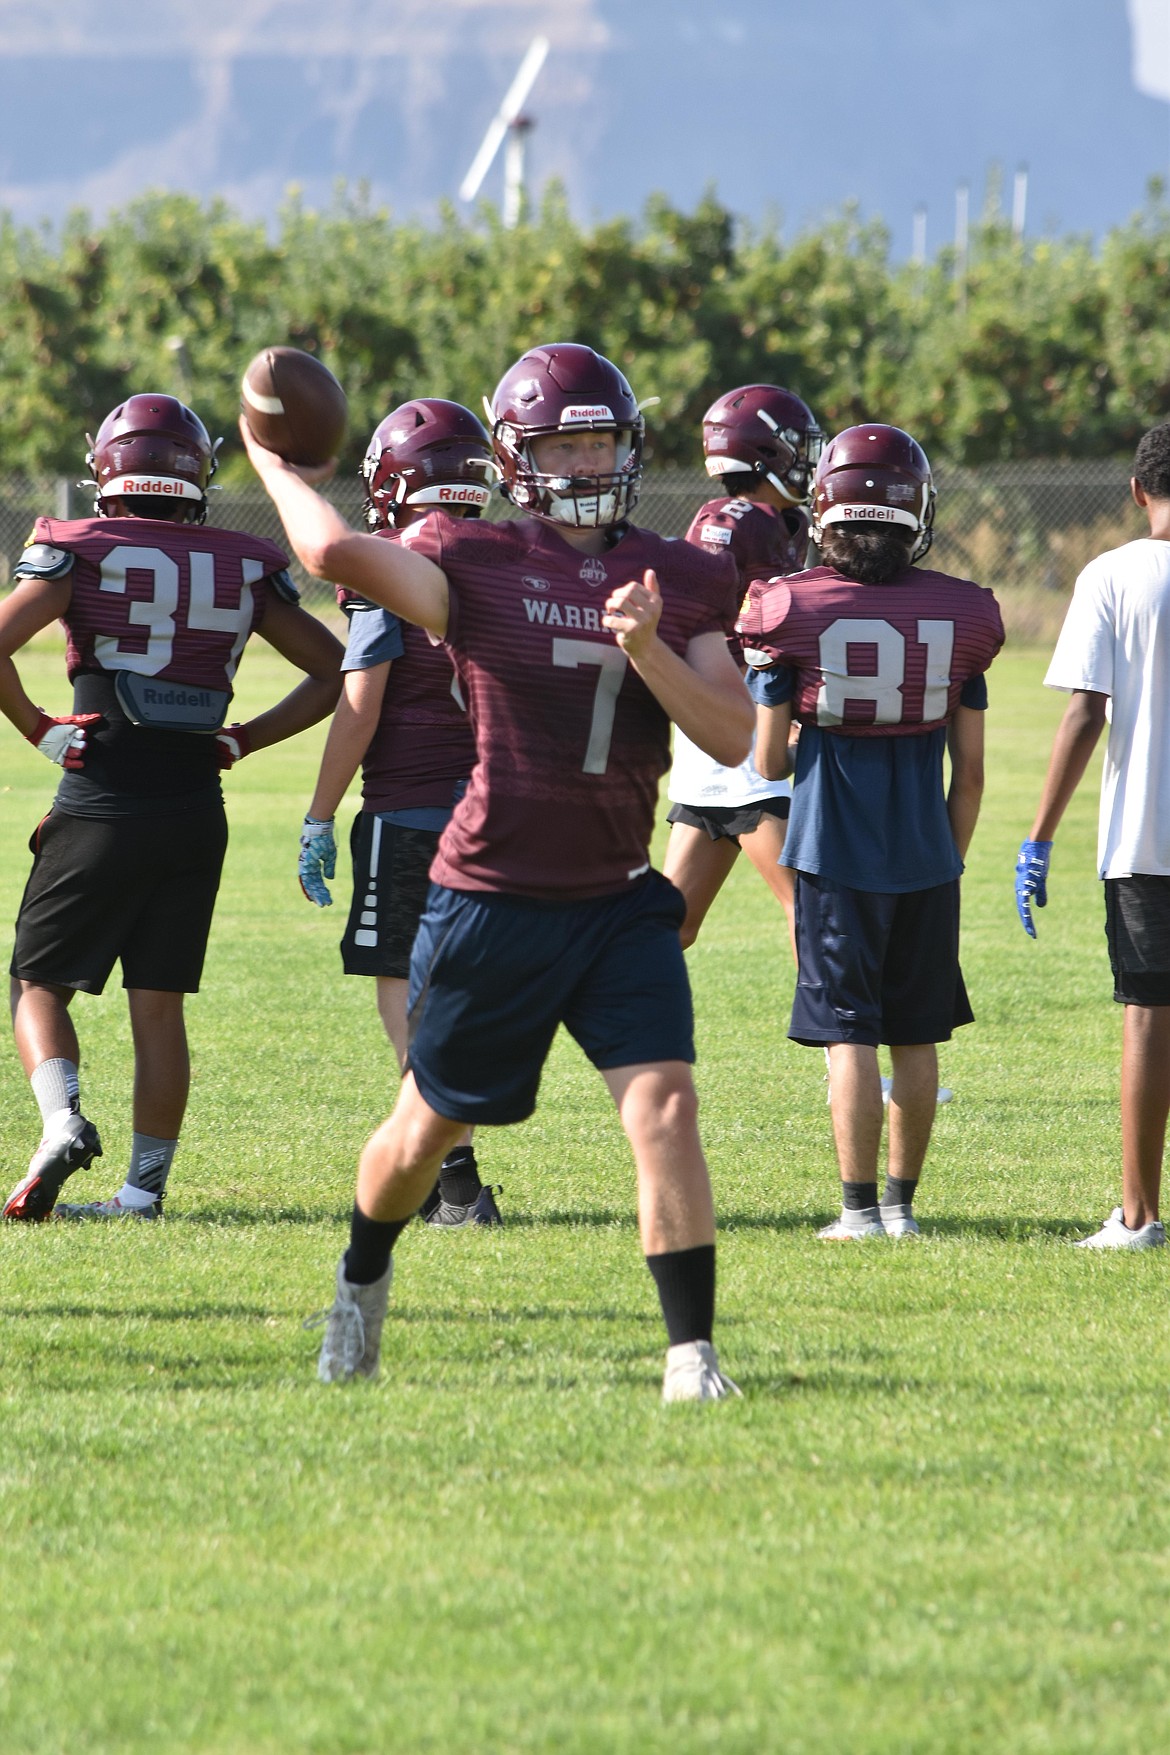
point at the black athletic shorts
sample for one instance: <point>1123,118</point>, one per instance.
<point>1137,929</point>
<point>877,967</point>
<point>727,822</point>
<point>391,877</point>
<point>137,889</point>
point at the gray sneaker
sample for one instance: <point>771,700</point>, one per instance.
<point>853,1226</point>
<point>107,1209</point>
<point>899,1221</point>
<point>480,1211</point>
<point>693,1374</point>
<point>1116,1234</point>
<point>353,1328</point>
<point>72,1145</point>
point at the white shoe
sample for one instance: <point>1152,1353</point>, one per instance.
<point>944,1092</point>
<point>353,1328</point>
<point>853,1226</point>
<point>71,1144</point>
<point>899,1221</point>
<point>693,1374</point>
<point>1116,1234</point>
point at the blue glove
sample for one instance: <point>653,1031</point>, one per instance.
<point>1032,880</point>
<point>318,860</point>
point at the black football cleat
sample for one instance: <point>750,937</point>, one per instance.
<point>480,1211</point>
<point>73,1145</point>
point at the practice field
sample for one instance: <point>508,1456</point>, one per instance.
<point>936,1522</point>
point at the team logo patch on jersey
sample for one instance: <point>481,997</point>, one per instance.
<point>535,584</point>
<point>717,533</point>
<point>593,572</point>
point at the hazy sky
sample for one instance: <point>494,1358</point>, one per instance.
<point>787,108</point>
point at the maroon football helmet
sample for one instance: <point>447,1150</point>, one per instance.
<point>875,475</point>
<point>765,433</point>
<point>426,453</point>
<point>154,447</point>
<point>566,388</point>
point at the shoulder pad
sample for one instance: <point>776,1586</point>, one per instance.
<point>42,561</point>
<point>282,584</point>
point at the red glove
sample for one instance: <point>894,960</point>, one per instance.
<point>62,739</point>
<point>232,745</point>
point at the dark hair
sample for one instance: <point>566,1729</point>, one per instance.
<point>1151,465</point>
<point>740,485</point>
<point>871,556</point>
<point>158,506</point>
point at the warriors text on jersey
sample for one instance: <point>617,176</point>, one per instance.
<point>172,602</point>
<point>570,742</point>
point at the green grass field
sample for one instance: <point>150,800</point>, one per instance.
<point>934,1523</point>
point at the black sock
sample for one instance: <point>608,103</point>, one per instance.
<point>859,1195</point>
<point>686,1290</point>
<point>459,1181</point>
<point>899,1191</point>
<point>370,1243</point>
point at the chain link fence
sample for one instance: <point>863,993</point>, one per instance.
<point>1025,529</point>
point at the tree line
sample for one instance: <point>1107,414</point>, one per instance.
<point>1050,348</point>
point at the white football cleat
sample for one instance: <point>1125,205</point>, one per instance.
<point>71,1144</point>
<point>854,1226</point>
<point>693,1374</point>
<point>353,1328</point>
<point>899,1221</point>
<point>1116,1234</point>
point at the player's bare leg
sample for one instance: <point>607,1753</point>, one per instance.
<point>913,1100</point>
<point>162,1063</point>
<point>857,1133</point>
<point>41,1023</point>
<point>698,867</point>
<point>763,845</point>
<point>1145,1105</point>
<point>461,1186</point>
<point>47,1044</point>
<point>659,1108</point>
<point>400,1163</point>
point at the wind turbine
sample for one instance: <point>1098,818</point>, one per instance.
<point>510,121</point>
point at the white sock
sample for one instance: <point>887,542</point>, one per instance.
<point>134,1197</point>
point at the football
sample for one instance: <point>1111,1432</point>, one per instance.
<point>294,405</point>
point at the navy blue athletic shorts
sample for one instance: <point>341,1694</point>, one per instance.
<point>492,976</point>
<point>876,967</point>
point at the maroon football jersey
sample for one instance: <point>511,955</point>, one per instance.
<point>423,744</point>
<point>174,601</point>
<point>872,660</point>
<point>760,539</point>
<point>571,743</point>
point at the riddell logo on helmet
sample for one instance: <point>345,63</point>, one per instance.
<point>151,484</point>
<point>870,514</point>
<point>462,496</point>
<point>581,411</point>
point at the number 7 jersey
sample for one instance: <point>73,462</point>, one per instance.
<point>570,743</point>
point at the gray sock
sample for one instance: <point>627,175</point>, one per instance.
<point>150,1163</point>
<point>55,1087</point>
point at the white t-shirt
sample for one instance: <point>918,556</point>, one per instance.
<point>697,780</point>
<point>1116,642</point>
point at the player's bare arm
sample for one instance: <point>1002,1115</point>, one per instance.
<point>308,644</point>
<point>775,745</point>
<point>965,792</point>
<point>354,724</point>
<point>703,693</point>
<point>1077,737</point>
<point>30,608</point>
<point>385,572</point>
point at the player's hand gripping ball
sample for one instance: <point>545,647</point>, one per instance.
<point>293,405</point>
